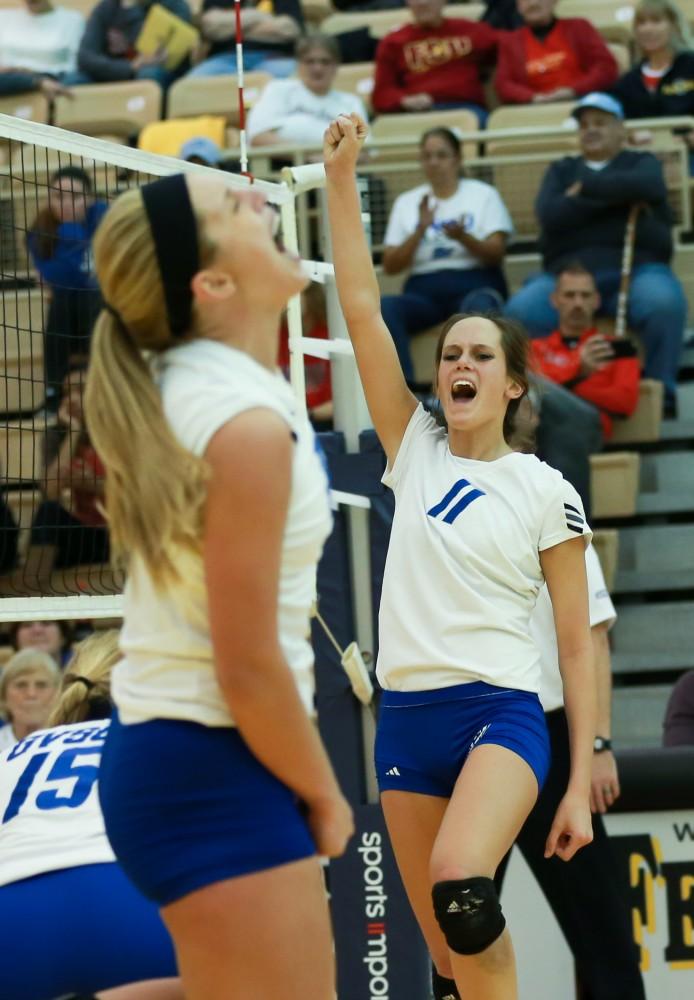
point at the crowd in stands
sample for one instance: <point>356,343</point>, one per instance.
<point>448,237</point>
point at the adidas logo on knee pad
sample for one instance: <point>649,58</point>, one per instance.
<point>469,913</point>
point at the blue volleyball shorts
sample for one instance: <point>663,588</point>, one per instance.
<point>423,738</point>
<point>187,805</point>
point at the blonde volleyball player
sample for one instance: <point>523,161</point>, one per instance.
<point>216,790</point>
<point>461,747</point>
<point>100,935</point>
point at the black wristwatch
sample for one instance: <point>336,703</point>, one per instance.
<point>601,743</point>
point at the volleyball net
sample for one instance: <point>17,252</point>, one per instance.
<point>54,553</point>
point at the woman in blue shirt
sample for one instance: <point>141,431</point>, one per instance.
<point>60,245</point>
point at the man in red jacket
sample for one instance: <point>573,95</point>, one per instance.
<point>581,359</point>
<point>433,63</point>
<point>551,59</point>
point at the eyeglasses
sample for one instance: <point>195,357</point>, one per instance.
<point>317,61</point>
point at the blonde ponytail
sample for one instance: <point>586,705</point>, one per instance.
<point>85,693</point>
<point>155,489</point>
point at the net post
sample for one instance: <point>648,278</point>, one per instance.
<point>351,417</point>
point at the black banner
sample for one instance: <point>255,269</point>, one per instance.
<point>381,954</point>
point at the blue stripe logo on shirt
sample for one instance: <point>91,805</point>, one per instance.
<point>453,509</point>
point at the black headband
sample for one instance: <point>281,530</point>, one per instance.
<point>175,235</point>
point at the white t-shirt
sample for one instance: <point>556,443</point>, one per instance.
<point>477,205</point>
<point>600,608</point>
<point>463,568</point>
<point>299,115</point>
<point>41,43</point>
<point>49,807</point>
<point>168,667</point>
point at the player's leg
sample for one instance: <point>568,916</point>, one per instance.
<point>493,795</point>
<point>413,822</point>
<point>261,935</point>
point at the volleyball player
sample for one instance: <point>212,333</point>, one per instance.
<point>71,921</point>
<point>216,790</point>
<point>462,747</point>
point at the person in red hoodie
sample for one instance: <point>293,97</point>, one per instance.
<point>580,358</point>
<point>551,59</point>
<point>433,63</point>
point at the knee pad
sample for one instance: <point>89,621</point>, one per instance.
<point>469,913</point>
<point>443,989</point>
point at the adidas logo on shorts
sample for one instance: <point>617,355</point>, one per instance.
<point>393,773</point>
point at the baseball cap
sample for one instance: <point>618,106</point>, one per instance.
<point>203,148</point>
<point>603,102</point>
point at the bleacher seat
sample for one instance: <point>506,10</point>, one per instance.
<point>382,22</point>
<point>117,110</point>
<point>612,18</point>
<point>21,329</point>
<point>622,55</point>
<point>167,137</point>
<point>554,115</point>
<point>21,448</point>
<point>606,542</point>
<point>316,11</point>
<point>356,78</point>
<point>31,106</point>
<point>614,484</point>
<point>644,423</point>
<point>23,504</point>
<point>214,95</point>
<point>410,127</point>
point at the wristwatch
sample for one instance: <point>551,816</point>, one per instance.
<point>601,743</point>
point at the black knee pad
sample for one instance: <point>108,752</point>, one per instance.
<point>469,913</point>
<point>443,989</point>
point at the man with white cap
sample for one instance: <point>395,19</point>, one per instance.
<point>583,206</point>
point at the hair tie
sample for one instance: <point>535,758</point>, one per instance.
<point>175,234</point>
<point>85,680</point>
<point>116,316</point>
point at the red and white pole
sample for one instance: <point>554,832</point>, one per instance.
<point>242,104</point>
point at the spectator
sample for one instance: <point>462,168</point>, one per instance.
<point>72,531</point>
<point>661,84</point>
<point>270,29</point>
<point>583,206</point>
<point>60,246</point>
<point>55,860</point>
<point>28,687</point>
<point>678,727</point>
<point>434,63</point>
<point>201,150</point>
<point>38,47</point>
<point>551,59</point>
<point>298,111</point>
<point>52,637</point>
<point>319,392</point>
<point>576,356</point>
<point>108,54</point>
<point>451,233</point>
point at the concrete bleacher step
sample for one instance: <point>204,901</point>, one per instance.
<point>637,715</point>
<point>655,558</point>
<point>653,637</point>
<point>666,484</point>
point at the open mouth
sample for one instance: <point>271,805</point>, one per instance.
<point>463,389</point>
